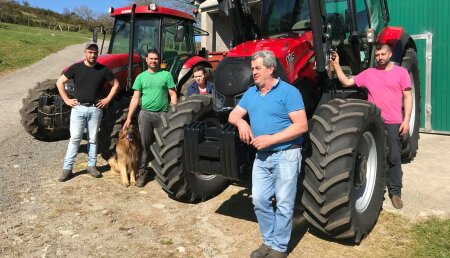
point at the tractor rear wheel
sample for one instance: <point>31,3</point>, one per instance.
<point>346,172</point>
<point>168,153</point>
<point>410,142</point>
<point>112,122</point>
<point>30,110</point>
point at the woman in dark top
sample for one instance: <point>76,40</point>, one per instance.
<point>200,84</point>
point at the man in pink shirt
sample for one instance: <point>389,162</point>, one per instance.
<point>388,85</point>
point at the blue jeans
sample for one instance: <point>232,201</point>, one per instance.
<point>275,175</point>
<point>83,117</point>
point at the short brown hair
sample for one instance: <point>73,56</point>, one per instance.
<point>379,46</point>
<point>152,51</point>
<point>199,68</point>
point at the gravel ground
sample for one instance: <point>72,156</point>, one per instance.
<point>88,217</point>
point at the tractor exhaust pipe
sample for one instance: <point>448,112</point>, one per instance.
<point>131,54</point>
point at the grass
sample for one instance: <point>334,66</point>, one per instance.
<point>432,238</point>
<point>401,237</point>
<point>21,46</point>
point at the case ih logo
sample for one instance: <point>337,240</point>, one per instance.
<point>126,11</point>
<point>290,58</point>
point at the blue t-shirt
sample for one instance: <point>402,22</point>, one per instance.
<point>269,114</point>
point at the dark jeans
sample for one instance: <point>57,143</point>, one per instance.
<point>147,120</point>
<point>395,173</point>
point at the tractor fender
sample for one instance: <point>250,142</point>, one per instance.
<point>186,70</point>
<point>190,63</point>
<point>398,39</point>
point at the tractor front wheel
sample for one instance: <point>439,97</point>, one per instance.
<point>168,153</point>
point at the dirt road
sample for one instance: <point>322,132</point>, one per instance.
<point>88,217</point>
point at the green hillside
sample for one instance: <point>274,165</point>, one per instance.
<point>21,46</point>
<point>15,13</point>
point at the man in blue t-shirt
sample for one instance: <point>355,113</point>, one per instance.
<point>277,122</point>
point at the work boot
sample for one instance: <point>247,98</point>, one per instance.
<point>94,172</point>
<point>397,201</point>
<point>276,254</point>
<point>142,178</point>
<point>66,174</point>
<point>262,251</point>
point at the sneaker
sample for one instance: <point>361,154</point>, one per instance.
<point>397,201</point>
<point>66,174</point>
<point>262,251</point>
<point>94,172</point>
<point>142,178</point>
<point>276,254</point>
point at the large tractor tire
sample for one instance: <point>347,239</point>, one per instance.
<point>30,109</point>
<point>410,142</point>
<point>345,173</point>
<point>112,122</point>
<point>168,153</point>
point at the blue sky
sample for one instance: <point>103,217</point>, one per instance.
<point>98,6</point>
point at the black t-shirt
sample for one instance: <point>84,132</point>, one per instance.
<point>88,81</point>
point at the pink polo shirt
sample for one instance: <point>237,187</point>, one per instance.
<point>386,90</point>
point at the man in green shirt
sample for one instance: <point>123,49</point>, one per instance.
<point>154,87</point>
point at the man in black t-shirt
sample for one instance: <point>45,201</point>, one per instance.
<point>87,103</point>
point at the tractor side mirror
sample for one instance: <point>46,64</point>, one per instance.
<point>179,36</point>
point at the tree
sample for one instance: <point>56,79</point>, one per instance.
<point>67,12</point>
<point>84,12</point>
<point>105,20</point>
<point>25,3</point>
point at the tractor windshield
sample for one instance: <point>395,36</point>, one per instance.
<point>146,35</point>
<point>279,17</point>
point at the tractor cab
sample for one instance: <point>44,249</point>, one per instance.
<point>169,31</point>
<point>350,30</point>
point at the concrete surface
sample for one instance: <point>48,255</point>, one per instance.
<point>426,180</point>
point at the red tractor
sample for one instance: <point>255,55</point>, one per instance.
<point>136,30</point>
<point>198,154</point>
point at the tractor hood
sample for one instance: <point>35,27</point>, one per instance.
<point>287,49</point>
<point>295,58</point>
<point>118,63</point>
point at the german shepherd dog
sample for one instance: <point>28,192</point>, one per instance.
<point>126,160</point>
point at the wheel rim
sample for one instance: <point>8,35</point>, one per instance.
<point>412,120</point>
<point>365,172</point>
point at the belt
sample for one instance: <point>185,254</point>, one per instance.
<point>292,147</point>
<point>87,104</point>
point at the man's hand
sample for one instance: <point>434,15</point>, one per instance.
<point>126,124</point>
<point>102,103</point>
<point>404,128</point>
<point>245,132</point>
<point>263,141</point>
<point>334,58</point>
<point>71,102</point>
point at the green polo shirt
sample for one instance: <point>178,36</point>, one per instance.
<point>154,88</point>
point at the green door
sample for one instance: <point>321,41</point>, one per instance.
<point>419,17</point>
